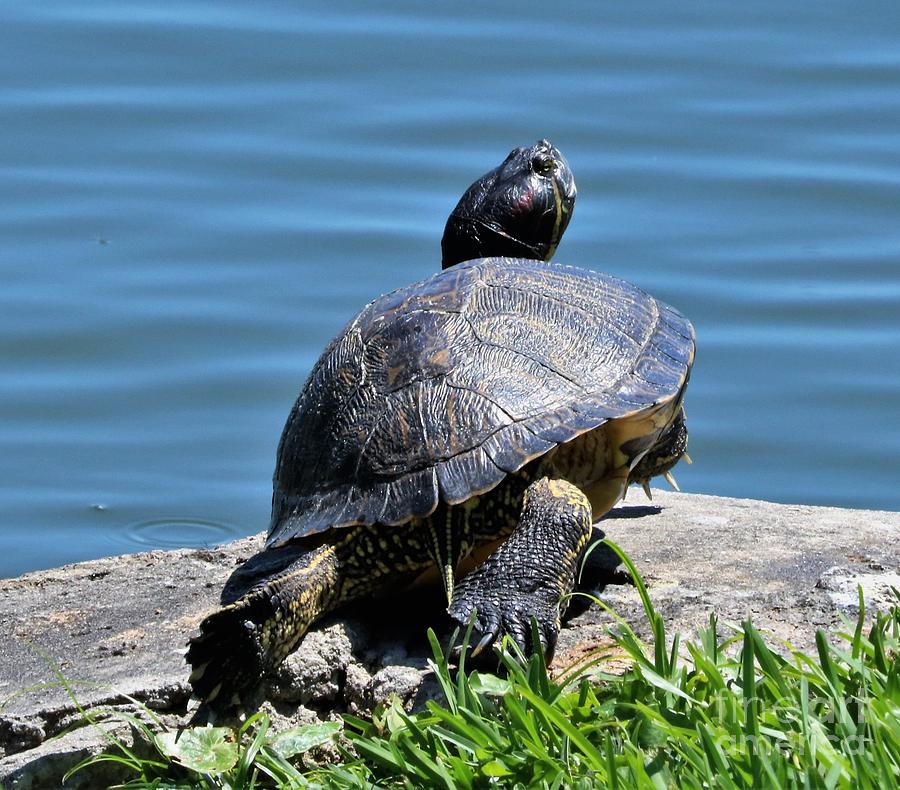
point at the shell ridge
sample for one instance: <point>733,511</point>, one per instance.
<point>630,291</point>
<point>540,363</point>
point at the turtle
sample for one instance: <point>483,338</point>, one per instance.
<point>472,425</point>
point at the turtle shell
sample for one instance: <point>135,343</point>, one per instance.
<point>439,390</point>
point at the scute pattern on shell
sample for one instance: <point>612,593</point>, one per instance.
<point>442,388</point>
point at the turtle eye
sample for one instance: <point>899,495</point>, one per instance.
<point>543,163</point>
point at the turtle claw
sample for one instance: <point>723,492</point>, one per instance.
<point>512,619</point>
<point>474,627</point>
<point>645,484</point>
<point>670,479</point>
<point>486,641</point>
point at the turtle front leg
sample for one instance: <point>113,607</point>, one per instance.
<point>529,574</point>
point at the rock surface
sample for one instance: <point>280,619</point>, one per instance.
<point>106,630</point>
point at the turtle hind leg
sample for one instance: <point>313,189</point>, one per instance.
<point>262,567</point>
<point>529,575</point>
<point>241,642</point>
<point>227,659</point>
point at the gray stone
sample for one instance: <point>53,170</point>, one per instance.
<point>109,629</point>
<point>401,681</point>
<point>356,688</point>
<point>315,672</point>
<point>45,766</point>
<point>20,734</point>
<point>877,583</point>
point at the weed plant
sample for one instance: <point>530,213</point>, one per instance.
<point>724,711</point>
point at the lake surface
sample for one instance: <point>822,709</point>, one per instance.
<point>197,196</point>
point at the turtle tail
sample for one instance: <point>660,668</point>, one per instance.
<point>243,641</point>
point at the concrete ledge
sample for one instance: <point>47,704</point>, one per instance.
<point>118,626</point>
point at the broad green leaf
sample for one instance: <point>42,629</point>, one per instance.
<point>302,739</point>
<point>489,684</point>
<point>204,750</point>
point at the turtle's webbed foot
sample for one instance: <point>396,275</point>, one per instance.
<point>243,641</point>
<point>527,577</point>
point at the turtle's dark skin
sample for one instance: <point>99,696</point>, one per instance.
<point>483,417</point>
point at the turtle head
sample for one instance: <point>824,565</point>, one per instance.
<point>519,209</point>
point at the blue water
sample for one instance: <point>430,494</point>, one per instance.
<point>196,196</point>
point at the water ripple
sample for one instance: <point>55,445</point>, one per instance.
<point>175,533</point>
<point>198,195</point>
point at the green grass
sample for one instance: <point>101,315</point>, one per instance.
<point>735,714</point>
